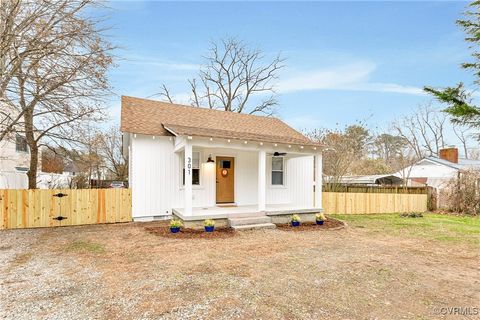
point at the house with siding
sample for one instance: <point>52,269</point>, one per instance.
<point>197,163</point>
<point>436,171</point>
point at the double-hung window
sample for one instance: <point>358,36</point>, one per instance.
<point>195,168</point>
<point>277,171</point>
<point>21,144</point>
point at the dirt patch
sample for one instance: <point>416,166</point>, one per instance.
<point>187,233</point>
<point>331,223</point>
<point>351,273</point>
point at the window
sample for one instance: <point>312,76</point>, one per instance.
<point>21,144</point>
<point>277,171</point>
<point>225,164</point>
<point>195,168</point>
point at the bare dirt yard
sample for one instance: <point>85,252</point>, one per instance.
<point>379,267</point>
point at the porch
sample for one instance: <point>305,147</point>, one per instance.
<point>227,179</point>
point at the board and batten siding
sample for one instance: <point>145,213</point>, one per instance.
<point>156,179</point>
<point>151,176</point>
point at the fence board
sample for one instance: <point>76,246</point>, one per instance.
<point>358,203</point>
<point>38,208</point>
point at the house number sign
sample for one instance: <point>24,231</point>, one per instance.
<point>189,166</point>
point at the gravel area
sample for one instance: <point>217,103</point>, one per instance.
<point>125,271</point>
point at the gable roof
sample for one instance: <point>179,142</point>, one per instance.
<point>463,164</point>
<point>152,117</point>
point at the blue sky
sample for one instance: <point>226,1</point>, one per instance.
<point>346,61</point>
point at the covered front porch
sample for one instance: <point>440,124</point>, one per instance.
<point>226,178</point>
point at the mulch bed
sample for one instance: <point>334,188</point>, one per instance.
<point>224,232</point>
<point>187,233</point>
<point>312,226</point>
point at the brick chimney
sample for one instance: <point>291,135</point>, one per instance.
<point>449,154</point>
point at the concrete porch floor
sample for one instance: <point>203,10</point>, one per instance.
<point>219,212</point>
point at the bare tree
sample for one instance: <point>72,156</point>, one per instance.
<point>463,135</point>
<point>344,150</point>
<point>56,61</point>
<point>424,130</point>
<point>235,78</point>
<point>111,151</point>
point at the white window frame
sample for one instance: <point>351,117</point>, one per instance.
<point>182,167</point>
<point>272,170</point>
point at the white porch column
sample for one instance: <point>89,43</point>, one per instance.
<point>262,170</point>
<point>188,178</point>
<point>318,180</point>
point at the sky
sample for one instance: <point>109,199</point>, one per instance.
<point>345,61</point>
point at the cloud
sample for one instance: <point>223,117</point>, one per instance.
<point>161,63</point>
<point>350,77</point>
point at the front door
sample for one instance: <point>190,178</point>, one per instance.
<point>225,179</point>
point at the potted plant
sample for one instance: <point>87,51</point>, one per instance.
<point>295,220</point>
<point>320,218</point>
<point>209,225</point>
<point>175,225</point>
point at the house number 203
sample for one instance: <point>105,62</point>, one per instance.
<point>189,165</point>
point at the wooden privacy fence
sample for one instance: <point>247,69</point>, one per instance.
<point>40,208</point>
<point>358,203</point>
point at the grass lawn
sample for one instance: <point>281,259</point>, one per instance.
<point>458,229</point>
<point>379,267</point>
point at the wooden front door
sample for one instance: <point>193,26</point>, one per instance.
<point>225,179</point>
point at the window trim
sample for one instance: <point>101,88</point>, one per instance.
<point>283,184</point>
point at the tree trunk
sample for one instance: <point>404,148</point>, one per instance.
<point>32,144</point>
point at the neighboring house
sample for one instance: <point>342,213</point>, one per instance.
<point>196,163</point>
<point>14,154</point>
<point>438,171</point>
<point>14,162</point>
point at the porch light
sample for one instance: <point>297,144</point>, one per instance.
<point>210,160</point>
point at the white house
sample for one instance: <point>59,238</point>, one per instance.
<point>200,163</point>
<point>438,171</point>
<point>14,162</point>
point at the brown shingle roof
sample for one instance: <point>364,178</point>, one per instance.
<point>151,117</point>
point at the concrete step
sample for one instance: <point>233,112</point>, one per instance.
<point>233,222</point>
<point>254,226</point>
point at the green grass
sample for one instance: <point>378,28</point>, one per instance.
<point>86,246</point>
<point>447,228</point>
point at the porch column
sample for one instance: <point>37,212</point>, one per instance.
<point>318,180</point>
<point>262,168</point>
<point>188,178</point>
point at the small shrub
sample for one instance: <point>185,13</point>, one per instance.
<point>462,193</point>
<point>209,223</point>
<point>320,217</point>
<point>296,217</point>
<point>174,223</point>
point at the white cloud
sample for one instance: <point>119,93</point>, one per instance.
<point>353,77</point>
<point>161,63</point>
